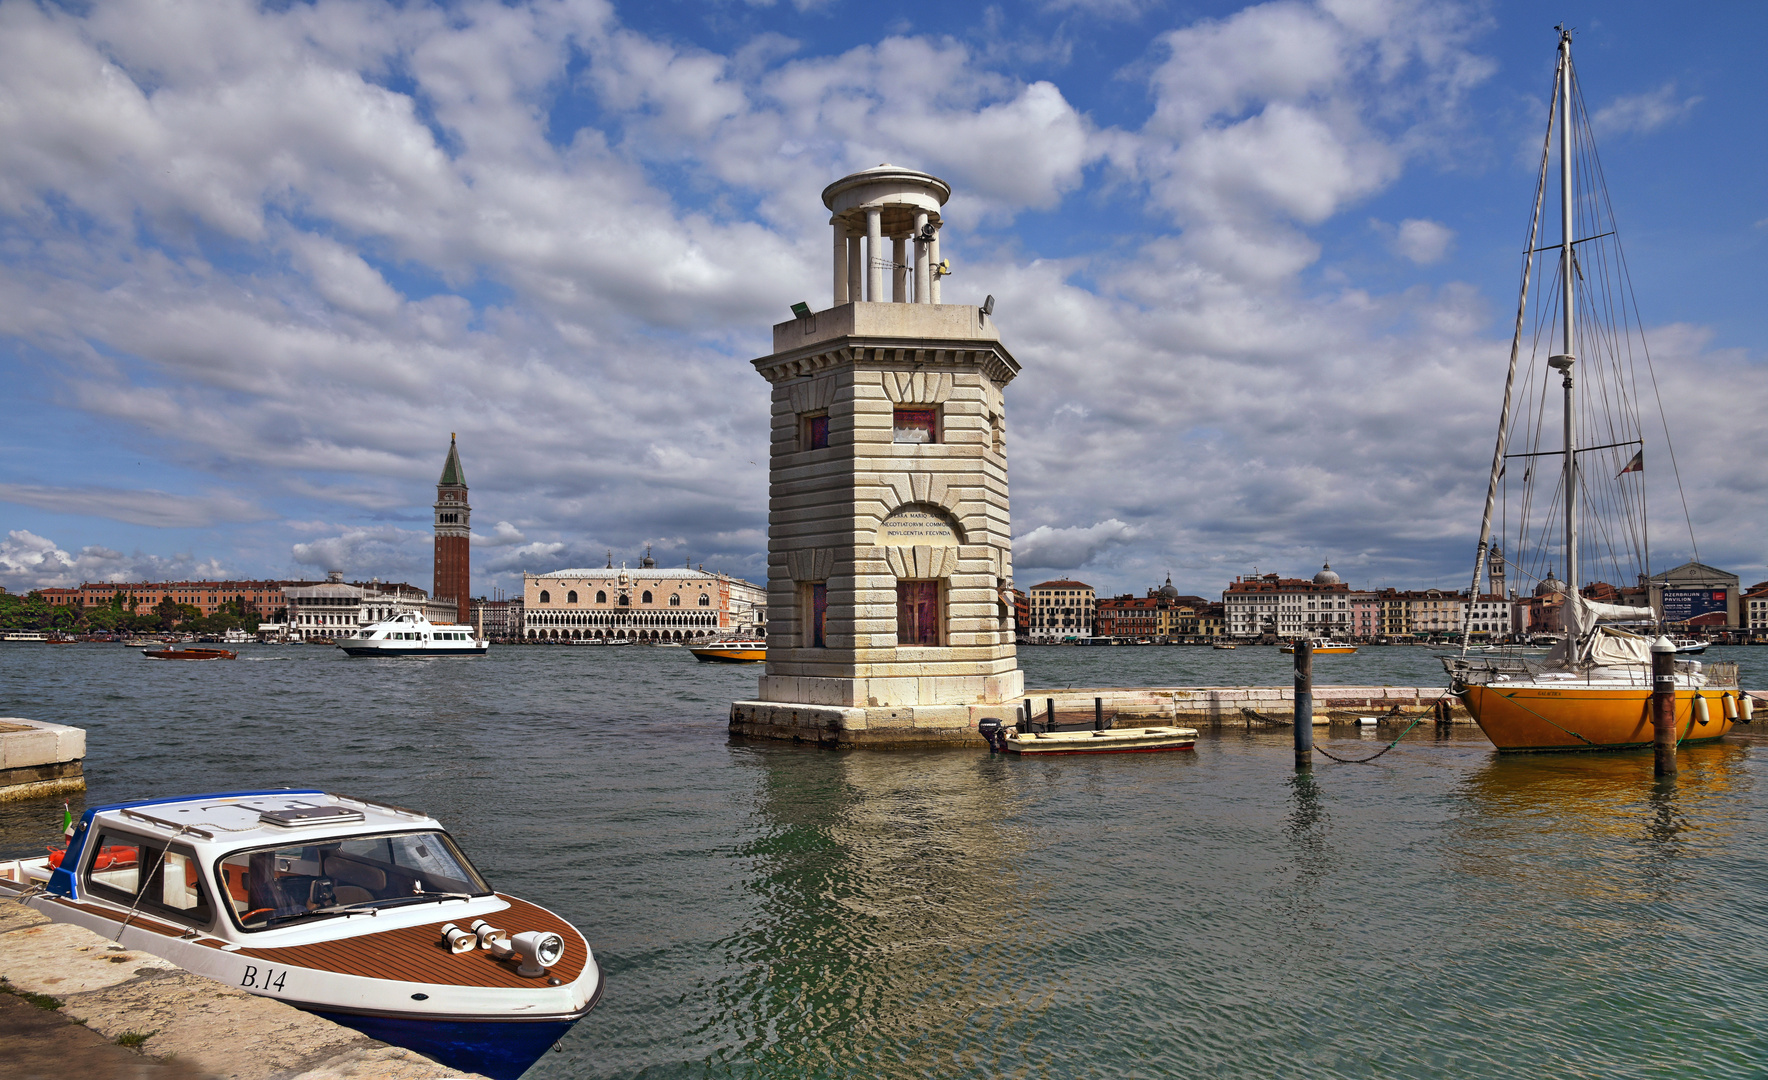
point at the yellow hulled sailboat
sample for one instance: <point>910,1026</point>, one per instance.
<point>1594,690</point>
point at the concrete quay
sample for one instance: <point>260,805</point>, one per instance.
<point>195,1027</point>
<point>39,759</point>
<point>1194,706</point>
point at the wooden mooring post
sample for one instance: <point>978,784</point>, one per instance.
<point>1304,703</point>
<point>1663,706</point>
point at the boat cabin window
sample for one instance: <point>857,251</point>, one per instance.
<point>270,887</point>
<point>149,876</point>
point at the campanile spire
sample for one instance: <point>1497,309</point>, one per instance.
<point>453,567</point>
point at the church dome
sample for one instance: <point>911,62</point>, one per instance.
<point>1549,585</point>
<point>1327,577</point>
<point>1167,592</point>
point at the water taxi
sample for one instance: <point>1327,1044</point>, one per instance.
<point>366,914</point>
<point>23,635</point>
<point>738,649</point>
<point>1324,646</point>
<point>411,634</point>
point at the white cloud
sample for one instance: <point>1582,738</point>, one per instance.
<point>503,534</point>
<point>1068,548</point>
<point>29,561</point>
<point>408,247</point>
<point>1417,239</point>
<point>1643,113</point>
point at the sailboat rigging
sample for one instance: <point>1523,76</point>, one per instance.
<point>1592,691</point>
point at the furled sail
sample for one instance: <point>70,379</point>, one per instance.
<point>1590,613</point>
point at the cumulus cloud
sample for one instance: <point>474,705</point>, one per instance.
<point>1417,239</point>
<point>293,247</point>
<point>1640,114</point>
<point>1071,547</point>
<point>29,561</point>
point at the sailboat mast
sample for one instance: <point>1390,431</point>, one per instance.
<point>1567,355</point>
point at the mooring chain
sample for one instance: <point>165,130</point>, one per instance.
<point>1364,761</point>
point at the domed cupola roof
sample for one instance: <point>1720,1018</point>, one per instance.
<point>1167,591</point>
<point>1327,577</point>
<point>1549,585</point>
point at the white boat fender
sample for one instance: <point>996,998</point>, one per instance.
<point>1747,707</point>
<point>1367,721</point>
<point>458,940</point>
<point>1700,709</point>
<point>1730,704</point>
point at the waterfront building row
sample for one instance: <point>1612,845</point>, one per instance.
<point>650,603</point>
<point>1692,598</point>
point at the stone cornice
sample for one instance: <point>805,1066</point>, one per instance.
<point>991,356</point>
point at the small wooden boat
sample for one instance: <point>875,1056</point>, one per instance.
<point>366,914</point>
<point>742,649</point>
<point>1224,646</point>
<point>190,654</point>
<point>1148,740</point>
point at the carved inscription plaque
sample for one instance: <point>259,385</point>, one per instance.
<point>916,528</point>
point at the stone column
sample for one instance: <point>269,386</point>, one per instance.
<point>932,271</point>
<point>856,266</point>
<point>921,295</point>
<point>899,272</point>
<point>874,254</point>
<point>840,229</point>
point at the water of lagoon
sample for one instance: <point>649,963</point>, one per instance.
<point>769,910</point>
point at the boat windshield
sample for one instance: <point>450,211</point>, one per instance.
<point>269,887</point>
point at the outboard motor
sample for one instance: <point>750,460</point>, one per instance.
<point>990,729</point>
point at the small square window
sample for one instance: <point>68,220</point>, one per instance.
<point>813,432</point>
<point>916,426</point>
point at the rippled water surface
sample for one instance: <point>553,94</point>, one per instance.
<point>771,910</point>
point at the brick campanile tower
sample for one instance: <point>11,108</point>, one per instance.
<point>454,569</point>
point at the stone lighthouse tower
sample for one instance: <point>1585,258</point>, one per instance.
<point>889,553</point>
<point>453,567</point>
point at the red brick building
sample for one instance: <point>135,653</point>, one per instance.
<point>453,576</point>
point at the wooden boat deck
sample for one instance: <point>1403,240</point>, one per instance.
<point>416,953</point>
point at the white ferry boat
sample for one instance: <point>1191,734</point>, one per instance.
<point>363,913</point>
<point>410,634</point>
<point>23,635</point>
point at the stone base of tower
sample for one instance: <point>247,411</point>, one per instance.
<point>879,712</point>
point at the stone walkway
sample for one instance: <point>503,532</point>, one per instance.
<point>195,1027</point>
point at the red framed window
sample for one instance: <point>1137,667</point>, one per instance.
<point>916,426</point>
<point>814,433</point>
<point>917,613</point>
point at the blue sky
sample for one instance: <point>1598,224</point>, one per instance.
<point>1257,261</point>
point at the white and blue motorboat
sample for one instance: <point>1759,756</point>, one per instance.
<point>363,913</point>
<point>411,634</point>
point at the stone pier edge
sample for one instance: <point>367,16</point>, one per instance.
<point>1205,706</point>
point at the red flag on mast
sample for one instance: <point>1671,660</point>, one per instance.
<point>1636,465</point>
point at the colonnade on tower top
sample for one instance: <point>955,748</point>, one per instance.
<point>894,204</point>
